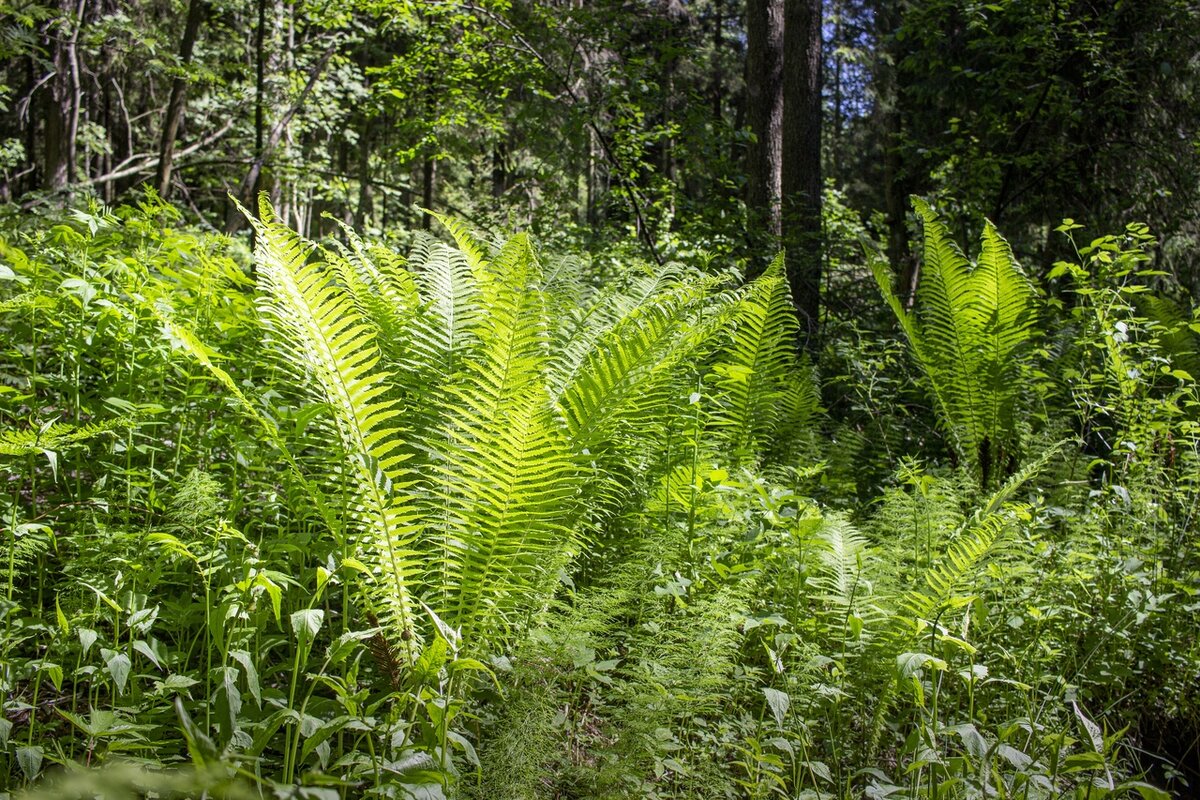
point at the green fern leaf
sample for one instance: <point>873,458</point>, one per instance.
<point>323,336</point>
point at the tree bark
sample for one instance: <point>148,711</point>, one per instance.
<point>499,168</point>
<point>429,176</point>
<point>716,85</point>
<point>59,101</point>
<point>178,100</point>
<point>801,180</point>
<point>260,82</point>
<point>366,189</point>
<point>764,90</point>
<point>891,124</point>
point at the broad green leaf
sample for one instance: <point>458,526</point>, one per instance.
<point>778,702</point>
<point>307,622</point>
<point>118,666</point>
<point>30,759</point>
<point>243,658</point>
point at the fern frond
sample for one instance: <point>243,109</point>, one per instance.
<point>754,369</point>
<point>607,394</point>
<point>54,436</point>
<point>502,466</point>
<point>1176,333</point>
<point>382,288</point>
<point>26,300</point>
<point>947,578</point>
<point>450,329</point>
<point>323,335</point>
<point>475,251</point>
<point>839,577</point>
<point>29,541</point>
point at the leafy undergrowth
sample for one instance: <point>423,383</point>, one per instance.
<point>336,521</point>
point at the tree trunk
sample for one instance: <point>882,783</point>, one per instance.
<point>260,81</point>
<point>249,188</point>
<point>716,84</point>
<point>499,169</point>
<point>59,101</point>
<point>764,90</point>
<point>891,124</point>
<point>366,190</point>
<point>429,177</point>
<point>177,102</point>
<point>801,182</point>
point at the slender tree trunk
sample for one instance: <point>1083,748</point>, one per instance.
<point>260,81</point>
<point>366,192</point>
<point>499,168</point>
<point>591,212</point>
<point>30,182</point>
<point>891,122</point>
<point>178,100</point>
<point>76,102</point>
<point>429,177</point>
<point>839,13</point>
<point>716,86</point>
<point>802,184</point>
<point>678,22</point>
<point>105,80</point>
<point>248,190</point>
<point>764,90</point>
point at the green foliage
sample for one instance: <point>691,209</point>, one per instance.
<point>970,331</point>
<point>469,522</point>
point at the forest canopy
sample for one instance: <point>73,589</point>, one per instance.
<point>599,399</point>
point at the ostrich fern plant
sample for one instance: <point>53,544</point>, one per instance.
<point>477,449</point>
<point>970,331</point>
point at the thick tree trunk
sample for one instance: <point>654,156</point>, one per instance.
<point>178,99</point>
<point>764,90</point>
<point>802,185</point>
<point>59,102</point>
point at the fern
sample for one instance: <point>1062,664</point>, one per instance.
<point>450,329</point>
<point>947,582</point>
<point>970,331</point>
<point>383,291</point>
<point>26,300</point>
<point>945,578</point>
<point>607,394</point>
<point>839,577</point>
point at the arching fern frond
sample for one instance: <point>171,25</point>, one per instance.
<point>753,372</point>
<point>54,436</point>
<point>949,581</point>
<point>605,395</point>
<point>449,330</point>
<point>323,336</point>
<point>383,290</point>
<point>502,468</point>
<point>840,579</point>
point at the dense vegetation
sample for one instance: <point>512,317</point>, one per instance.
<point>734,472</point>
